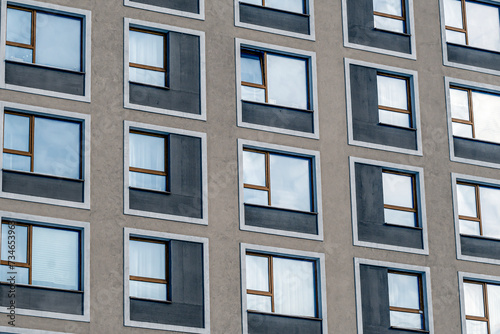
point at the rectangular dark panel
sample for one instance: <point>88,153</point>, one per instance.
<point>268,323</point>
<point>279,117</point>
<point>172,204</point>
<point>177,314</point>
<point>476,150</point>
<point>34,76</point>
<point>42,186</point>
<point>186,268</point>
<point>474,57</point>
<point>480,247</point>
<point>390,235</point>
<point>374,299</point>
<point>43,299</point>
<point>273,18</point>
<point>191,6</point>
<point>281,219</point>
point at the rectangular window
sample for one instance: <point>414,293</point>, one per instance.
<point>295,6</point>
<point>406,300</point>
<point>400,199</point>
<point>390,15</point>
<point>277,180</point>
<point>148,161</point>
<point>43,38</point>
<point>148,268</point>
<point>42,145</point>
<point>394,100</point>
<point>472,23</point>
<point>147,57</point>
<point>482,307</point>
<point>42,256</point>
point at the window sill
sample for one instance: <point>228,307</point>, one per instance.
<point>43,287</point>
<point>278,106</point>
<point>151,190</point>
<point>285,315</point>
<point>393,32</point>
<point>480,237</point>
<point>411,227</point>
<point>409,329</point>
<point>149,85</point>
<point>152,300</point>
<point>43,66</point>
<point>477,140</point>
<point>274,9</point>
<point>473,47</point>
<point>397,126</point>
<point>44,175</point>
<point>278,208</point>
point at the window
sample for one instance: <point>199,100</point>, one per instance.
<point>390,15</point>
<point>400,200</point>
<point>405,300</point>
<point>296,6</point>
<point>394,106</point>
<point>46,50</point>
<point>279,283</point>
<point>147,63</point>
<point>482,307</point>
<point>166,281</point>
<point>194,9</point>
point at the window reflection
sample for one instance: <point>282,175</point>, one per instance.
<point>394,100</point>
<point>400,205</point>
<point>147,62</point>
<point>405,300</point>
<point>482,307</point>
<point>295,6</point>
<point>389,15</point>
<point>147,159</point>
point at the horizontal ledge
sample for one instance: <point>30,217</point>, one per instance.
<point>44,175</point>
<point>42,287</point>
<point>393,32</point>
<point>149,85</point>
<point>44,66</point>
<point>397,126</point>
<point>410,227</point>
<point>409,329</point>
<point>274,9</point>
<point>477,140</point>
<point>277,106</point>
<point>151,190</point>
<point>151,300</point>
<point>473,48</point>
<point>285,315</point>
<point>479,237</point>
<point>282,209</point>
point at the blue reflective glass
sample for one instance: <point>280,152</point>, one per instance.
<point>16,133</point>
<point>18,26</point>
<point>16,162</point>
<point>18,54</point>
<point>251,70</point>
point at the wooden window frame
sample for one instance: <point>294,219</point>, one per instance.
<point>154,280</point>
<point>153,68</point>
<point>31,147</point>
<point>270,292</point>
<point>395,17</point>
<point>471,109</point>
<point>464,29</point>
<point>408,110</point>
<point>414,209</point>
<point>32,45</point>
<point>262,54</point>
<point>267,167</point>
<point>486,317</point>
<point>421,309</point>
<point>29,251</point>
<point>304,7</point>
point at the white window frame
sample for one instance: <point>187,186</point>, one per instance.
<point>18,330</point>
<point>166,10</point>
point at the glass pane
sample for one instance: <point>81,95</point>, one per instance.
<point>474,302</point>
<point>486,109</point>
<point>147,152</point>
<point>146,49</point>
<point>147,259</point>
<point>294,290</point>
<point>58,41</point>
<point>253,94</point>
<point>399,217</point>
<point>18,54</point>
<point>56,259</point>
<point>258,303</point>
<point>251,70</point>
<point>483,25</point>
<point>394,118</point>
<point>148,77</point>
<point>253,2</point>
<point>148,290</point>
<point>16,162</point>
<point>18,26</point>
<point>477,327</point>
<point>386,23</point>
<point>494,308</point>
<point>392,7</point>
<point>453,13</point>
<point>17,239</point>
<point>392,92</point>
<point>462,130</point>
<point>16,132</point>
<point>257,268</point>
<point>296,6</point>
<point>469,227</point>
<point>466,198</point>
<point>21,274</point>
<point>148,181</point>
<point>398,190</point>
<point>406,320</point>
<point>287,81</point>
<point>455,37</point>
<point>253,196</point>
<point>57,147</point>
<point>404,291</point>
<point>490,211</point>
<point>459,101</point>
<point>290,182</point>
<point>254,168</point>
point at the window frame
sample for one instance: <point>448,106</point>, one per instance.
<point>163,29</point>
<point>85,59</point>
<point>84,229</point>
<point>312,93</point>
<point>17,330</point>
<point>315,177</point>
<point>164,237</point>
<point>408,110</point>
<point>403,17</point>
<point>166,10</point>
<point>85,146</point>
<point>415,203</point>
<point>320,278</point>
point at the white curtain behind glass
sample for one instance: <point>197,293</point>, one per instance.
<point>147,152</point>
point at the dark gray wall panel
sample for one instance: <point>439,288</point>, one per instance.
<point>475,57</point>
<point>34,76</point>
<point>280,219</point>
<point>43,299</point>
<point>390,235</point>
<point>374,299</point>
<point>172,204</point>
<point>183,77</point>
<point>191,6</point>
<point>364,106</point>
<point>272,324</point>
<point>272,18</point>
<point>164,313</point>
<point>42,186</point>
<point>361,29</point>
<point>476,150</point>
<point>278,117</point>
<point>480,247</point>
<point>186,272</point>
